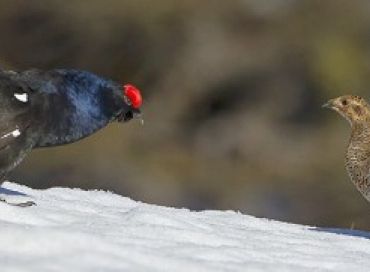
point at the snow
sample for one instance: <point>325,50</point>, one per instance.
<point>76,230</point>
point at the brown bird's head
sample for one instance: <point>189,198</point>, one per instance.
<point>352,107</point>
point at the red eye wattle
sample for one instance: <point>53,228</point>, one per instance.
<point>133,94</point>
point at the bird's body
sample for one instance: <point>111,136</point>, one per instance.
<point>357,160</point>
<point>50,108</point>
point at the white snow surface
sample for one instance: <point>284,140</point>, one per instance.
<point>76,230</point>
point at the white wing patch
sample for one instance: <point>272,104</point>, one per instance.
<point>23,97</point>
<point>15,133</point>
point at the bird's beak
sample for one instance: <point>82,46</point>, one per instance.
<point>330,104</point>
<point>139,116</point>
<point>131,114</point>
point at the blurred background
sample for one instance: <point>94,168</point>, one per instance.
<point>233,93</point>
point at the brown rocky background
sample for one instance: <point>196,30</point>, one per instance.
<point>233,93</point>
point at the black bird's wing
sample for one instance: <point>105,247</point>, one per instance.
<point>16,115</point>
<point>15,106</point>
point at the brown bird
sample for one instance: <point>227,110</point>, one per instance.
<point>357,112</point>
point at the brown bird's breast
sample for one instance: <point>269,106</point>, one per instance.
<point>358,161</point>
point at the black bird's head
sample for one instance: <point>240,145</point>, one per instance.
<point>74,104</point>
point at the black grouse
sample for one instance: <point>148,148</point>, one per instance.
<point>56,107</point>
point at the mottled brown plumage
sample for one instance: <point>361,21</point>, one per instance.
<point>357,112</point>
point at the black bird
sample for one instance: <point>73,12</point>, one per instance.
<point>50,108</point>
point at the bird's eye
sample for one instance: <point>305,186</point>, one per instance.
<point>344,102</point>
